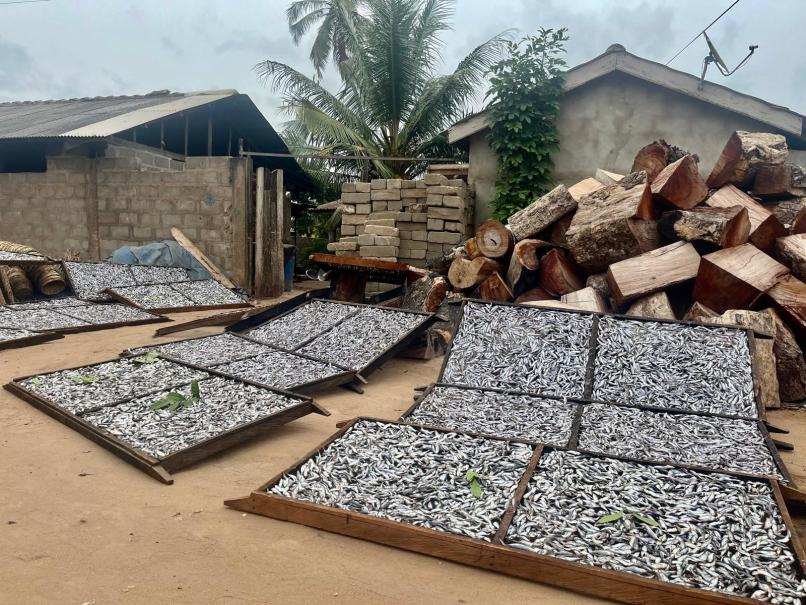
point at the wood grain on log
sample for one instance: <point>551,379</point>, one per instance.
<point>495,289</point>
<point>789,298</point>
<point>780,181</point>
<point>652,271</point>
<point>791,251</point>
<point>790,213</point>
<point>651,159</point>
<point>523,265</point>
<point>724,227</point>
<point>493,239</point>
<point>467,273</point>
<point>541,213</point>
<point>533,295</point>
<point>587,299</point>
<point>734,278</point>
<point>790,364</point>
<point>557,274</point>
<point>700,313</point>
<point>655,305</point>
<point>743,154</point>
<point>608,178</point>
<point>764,226</point>
<point>425,294</point>
<point>680,185</point>
<point>472,249</point>
<point>584,187</point>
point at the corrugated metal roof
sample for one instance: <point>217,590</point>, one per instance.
<point>96,117</point>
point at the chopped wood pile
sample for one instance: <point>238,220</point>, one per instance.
<point>663,242</point>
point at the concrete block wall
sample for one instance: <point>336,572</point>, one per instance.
<point>407,221</point>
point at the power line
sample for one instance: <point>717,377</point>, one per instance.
<point>702,32</point>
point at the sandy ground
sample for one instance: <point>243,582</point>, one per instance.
<point>78,525</point>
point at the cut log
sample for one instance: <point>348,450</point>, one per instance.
<point>523,265</point>
<point>584,187</point>
<point>781,181</point>
<point>556,233</point>
<point>734,278</point>
<point>724,227</point>
<point>652,271</point>
<point>789,362</point>
<point>557,274</point>
<point>495,289</point>
<point>467,273</point>
<point>680,184</point>
<point>791,251</point>
<point>790,213</point>
<point>541,213</point>
<point>425,294</point>
<point>744,154</point>
<point>761,323</point>
<point>608,178</point>
<point>532,295</point>
<point>608,225</point>
<point>699,313</point>
<point>472,249</point>
<point>764,227</point>
<point>766,374</point>
<point>494,240</point>
<point>587,299</point>
<point>789,299</point>
<point>655,305</point>
<point>553,304</point>
<point>651,159</point>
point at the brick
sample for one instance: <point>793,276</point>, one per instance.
<point>405,226</point>
<point>359,229</point>
<point>355,198</point>
<point>348,188</point>
<point>456,227</point>
<point>405,235</point>
<point>384,240</point>
<point>443,191</point>
<point>416,254</point>
<point>444,237</point>
<point>414,245</point>
<point>407,184</point>
<point>350,238</point>
<point>404,217</point>
<point>419,235</point>
<point>381,230</point>
<point>363,208</point>
<point>434,250</point>
<point>413,193</point>
<point>385,195</point>
<point>144,233</point>
<point>376,251</point>
<point>353,219</point>
<point>381,222</point>
<point>119,231</point>
<point>434,179</point>
<point>434,200</point>
<point>348,229</point>
<point>386,215</point>
<point>393,205</point>
<point>435,224</point>
<point>450,214</point>
<point>393,183</point>
<point>453,201</point>
<point>362,187</point>
<point>366,239</point>
<point>379,206</point>
<point>419,184</point>
<point>419,217</point>
<point>377,184</point>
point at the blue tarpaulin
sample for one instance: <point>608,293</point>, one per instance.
<point>167,253</point>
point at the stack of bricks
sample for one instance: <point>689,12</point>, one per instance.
<point>404,220</point>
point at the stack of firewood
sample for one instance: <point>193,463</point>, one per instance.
<point>662,242</point>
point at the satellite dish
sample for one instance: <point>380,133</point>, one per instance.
<point>715,54</point>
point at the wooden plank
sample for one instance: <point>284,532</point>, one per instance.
<point>652,271</point>
<point>275,263</point>
<point>331,261</point>
<point>216,273</point>
<point>260,232</point>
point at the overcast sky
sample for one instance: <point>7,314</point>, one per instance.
<point>78,48</point>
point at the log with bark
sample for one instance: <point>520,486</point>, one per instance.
<point>523,265</point>
<point>587,299</point>
<point>789,298</point>
<point>724,227</point>
<point>466,273</point>
<point>655,305</point>
<point>541,213</point>
<point>598,281</point>
<point>651,159</point>
<point>769,390</point>
<point>700,313</point>
<point>791,251</point>
<point>744,154</point>
<point>790,213</point>
<point>535,294</point>
<point>425,294</point>
<point>472,249</point>
<point>780,181</point>
<point>612,224</point>
<point>608,178</point>
<point>761,323</point>
<point>493,239</point>
<point>764,226</point>
<point>789,361</point>
<point>652,271</point>
<point>680,184</point>
<point>558,275</point>
<point>734,278</point>
<point>495,289</point>
<point>584,187</point>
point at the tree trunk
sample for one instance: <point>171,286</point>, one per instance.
<point>532,295</point>
<point>542,213</point>
<point>744,154</point>
<point>651,159</point>
<point>425,294</point>
<point>789,299</point>
<point>523,265</point>
<point>472,249</point>
<point>725,227</point>
<point>466,273</point>
<point>493,239</point>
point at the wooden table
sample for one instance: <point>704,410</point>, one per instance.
<point>349,274</point>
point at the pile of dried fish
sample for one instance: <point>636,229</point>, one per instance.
<point>279,369</point>
<point>302,324</point>
<point>89,279</point>
<point>107,313</point>
<point>676,366</point>
<point>207,292</point>
<point>41,319</point>
<point>149,274</point>
<point>508,415</point>
<point>50,303</point>
<point>412,475</point>
<point>703,530</point>
<point>520,349</point>
<point>7,334</point>
<point>711,441</point>
<point>153,296</point>
<point>225,404</point>
<point>90,387</point>
<point>208,350</point>
<point>6,256</point>
<point>359,339</point>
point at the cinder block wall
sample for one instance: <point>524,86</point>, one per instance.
<point>131,198</point>
<point>404,220</point>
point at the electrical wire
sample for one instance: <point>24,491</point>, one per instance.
<point>702,32</point>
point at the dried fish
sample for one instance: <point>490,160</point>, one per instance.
<point>302,324</point>
<point>116,381</point>
<point>89,279</point>
<point>711,441</point>
<point>208,350</point>
<point>225,404</point>
<point>39,319</point>
<point>19,257</point>
<point>49,303</point>
<point>149,274</point>
<point>107,313</point>
<point>279,369</point>
<point>412,475</point>
<point>359,339</point>
<point>697,368</point>
<point>153,296</point>
<point>508,415</point>
<point>207,292</point>
<point>522,349</point>
<point>714,531</point>
<point>7,334</point>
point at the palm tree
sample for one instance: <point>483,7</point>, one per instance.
<point>335,18</point>
<point>392,102</point>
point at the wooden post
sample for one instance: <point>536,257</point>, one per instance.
<point>269,269</point>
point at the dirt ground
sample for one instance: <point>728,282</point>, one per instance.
<point>78,525</point>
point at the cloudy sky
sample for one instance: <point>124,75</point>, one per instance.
<point>77,48</point>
